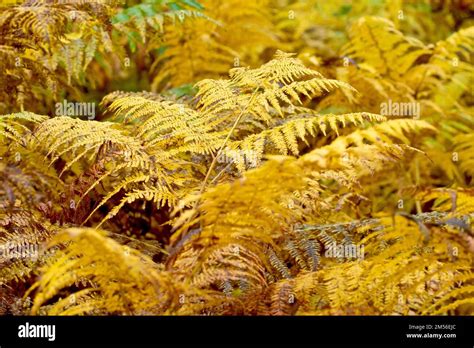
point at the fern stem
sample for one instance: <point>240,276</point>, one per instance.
<point>417,173</point>
<point>214,160</point>
<point>224,143</point>
<point>220,173</point>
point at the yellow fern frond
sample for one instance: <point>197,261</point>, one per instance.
<point>284,139</point>
<point>264,92</point>
<point>375,41</point>
<point>77,139</point>
<point>12,126</point>
<point>464,144</point>
<point>115,279</point>
<point>164,125</point>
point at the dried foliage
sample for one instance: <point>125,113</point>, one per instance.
<point>243,179</point>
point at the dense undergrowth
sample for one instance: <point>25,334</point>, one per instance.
<point>236,158</point>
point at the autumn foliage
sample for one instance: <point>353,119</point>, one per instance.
<point>204,157</point>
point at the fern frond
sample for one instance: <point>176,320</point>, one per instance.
<point>394,53</point>
<point>464,143</point>
<point>43,39</point>
<point>460,44</point>
<point>151,16</point>
<point>284,68</point>
<point>201,48</point>
<point>12,126</point>
<point>457,201</point>
<point>181,64</point>
<point>77,139</point>
<point>111,97</point>
<point>115,279</point>
<point>264,92</point>
<point>386,133</point>
<point>420,269</point>
<point>166,124</point>
<point>284,139</point>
